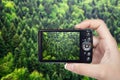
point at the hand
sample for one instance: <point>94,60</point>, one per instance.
<point>106,57</point>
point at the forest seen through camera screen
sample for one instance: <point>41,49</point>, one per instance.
<point>61,46</point>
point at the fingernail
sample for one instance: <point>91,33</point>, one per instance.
<point>76,25</point>
<point>69,66</point>
<point>65,66</point>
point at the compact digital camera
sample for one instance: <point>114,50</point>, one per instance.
<point>60,45</point>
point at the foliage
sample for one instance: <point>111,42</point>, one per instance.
<point>55,45</point>
<point>35,75</point>
<point>17,74</point>
<point>6,64</point>
<point>20,21</point>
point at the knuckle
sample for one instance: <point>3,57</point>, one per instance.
<point>86,20</point>
<point>100,20</point>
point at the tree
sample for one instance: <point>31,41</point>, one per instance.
<point>15,41</point>
<point>2,46</point>
<point>35,75</point>
<point>17,74</point>
<point>6,64</point>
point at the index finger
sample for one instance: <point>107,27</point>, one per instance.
<point>97,25</point>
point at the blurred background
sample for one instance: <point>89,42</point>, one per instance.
<point>20,21</point>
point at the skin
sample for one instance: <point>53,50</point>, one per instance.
<point>106,56</point>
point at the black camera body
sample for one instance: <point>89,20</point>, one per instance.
<point>61,45</point>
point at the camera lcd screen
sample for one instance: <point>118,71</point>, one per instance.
<point>60,46</point>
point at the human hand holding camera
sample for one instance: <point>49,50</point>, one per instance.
<point>106,56</point>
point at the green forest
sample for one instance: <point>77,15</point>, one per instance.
<point>20,21</point>
<point>61,45</point>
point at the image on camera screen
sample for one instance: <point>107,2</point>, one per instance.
<point>61,46</point>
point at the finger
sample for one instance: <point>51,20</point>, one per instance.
<point>91,70</point>
<point>95,41</point>
<point>97,25</point>
<point>97,56</point>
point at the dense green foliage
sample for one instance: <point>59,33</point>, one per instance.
<point>61,45</point>
<point>20,21</point>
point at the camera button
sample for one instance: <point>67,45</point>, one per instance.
<point>87,34</point>
<point>89,39</point>
<point>88,58</point>
<point>88,54</point>
<point>86,46</point>
<point>84,53</point>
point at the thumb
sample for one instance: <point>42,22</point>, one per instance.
<point>91,70</point>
